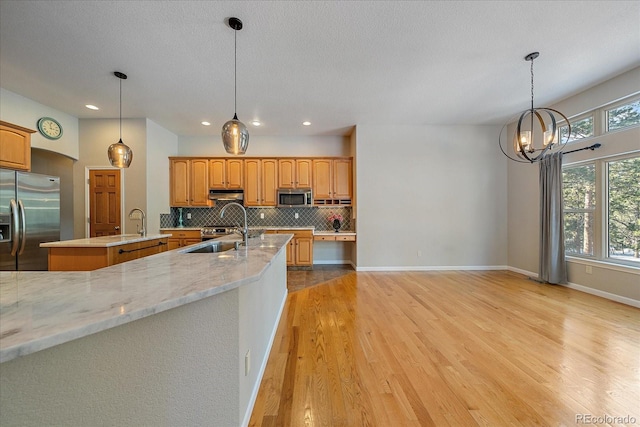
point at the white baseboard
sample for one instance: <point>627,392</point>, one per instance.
<point>434,268</point>
<point>608,295</point>
<point>263,366</point>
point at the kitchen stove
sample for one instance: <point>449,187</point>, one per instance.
<point>213,231</point>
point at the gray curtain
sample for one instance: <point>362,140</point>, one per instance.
<point>553,267</point>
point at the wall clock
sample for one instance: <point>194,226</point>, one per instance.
<point>50,128</point>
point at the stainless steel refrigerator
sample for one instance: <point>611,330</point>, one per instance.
<point>29,215</point>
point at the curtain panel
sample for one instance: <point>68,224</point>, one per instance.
<point>553,267</point>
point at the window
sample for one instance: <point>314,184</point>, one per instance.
<point>623,116</point>
<point>623,214</point>
<point>602,216</point>
<point>579,193</point>
<point>579,129</point>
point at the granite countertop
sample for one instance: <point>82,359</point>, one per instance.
<point>181,229</point>
<point>39,310</point>
<point>103,241</point>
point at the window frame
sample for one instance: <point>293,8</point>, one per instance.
<point>604,114</point>
<point>601,225</point>
<point>591,114</point>
<point>595,211</point>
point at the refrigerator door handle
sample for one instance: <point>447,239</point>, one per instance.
<point>23,227</point>
<point>15,223</point>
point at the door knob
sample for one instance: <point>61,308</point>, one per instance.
<point>117,227</point>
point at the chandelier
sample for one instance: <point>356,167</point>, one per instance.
<point>537,132</point>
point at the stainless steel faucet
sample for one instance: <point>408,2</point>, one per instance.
<point>143,231</point>
<point>245,229</point>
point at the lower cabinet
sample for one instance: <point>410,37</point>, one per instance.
<point>182,238</point>
<point>300,248</point>
<point>92,258</point>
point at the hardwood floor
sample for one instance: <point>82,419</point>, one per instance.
<point>449,349</point>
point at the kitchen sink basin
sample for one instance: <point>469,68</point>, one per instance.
<point>213,248</point>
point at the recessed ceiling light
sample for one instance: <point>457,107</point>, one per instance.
<point>256,123</point>
<point>306,123</point>
<point>91,107</point>
<point>206,123</point>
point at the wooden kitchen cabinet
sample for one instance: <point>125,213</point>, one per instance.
<point>294,173</point>
<point>15,146</point>
<point>91,258</point>
<point>332,181</point>
<point>226,173</point>
<point>333,238</point>
<point>300,248</point>
<point>260,182</point>
<point>189,182</point>
<point>182,238</point>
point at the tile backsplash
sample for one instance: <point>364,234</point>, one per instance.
<point>273,217</point>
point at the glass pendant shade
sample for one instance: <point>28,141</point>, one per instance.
<point>120,155</point>
<point>235,136</point>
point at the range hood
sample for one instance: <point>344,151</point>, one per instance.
<point>222,194</point>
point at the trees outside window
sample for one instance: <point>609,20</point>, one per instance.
<point>623,216</point>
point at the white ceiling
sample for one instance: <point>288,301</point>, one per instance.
<point>334,63</point>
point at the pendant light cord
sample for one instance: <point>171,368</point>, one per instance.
<point>120,110</point>
<point>235,72</point>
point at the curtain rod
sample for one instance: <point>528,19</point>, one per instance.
<point>592,147</point>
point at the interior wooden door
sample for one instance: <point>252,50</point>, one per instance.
<point>104,202</point>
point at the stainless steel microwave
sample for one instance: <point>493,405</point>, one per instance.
<point>288,198</point>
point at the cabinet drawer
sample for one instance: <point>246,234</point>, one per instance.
<point>346,238</point>
<point>183,234</point>
<point>324,237</point>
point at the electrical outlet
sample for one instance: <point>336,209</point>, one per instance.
<point>296,215</point>
<point>247,363</point>
<point>588,269</point>
<point>419,253</point>
<point>188,215</point>
<point>261,215</point>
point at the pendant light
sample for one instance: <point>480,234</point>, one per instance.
<point>120,155</point>
<point>537,131</point>
<point>235,136</point>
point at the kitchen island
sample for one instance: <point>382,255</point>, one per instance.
<point>171,339</point>
<point>97,252</point>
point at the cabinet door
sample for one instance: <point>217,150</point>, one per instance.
<point>252,182</point>
<point>234,173</point>
<point>217,173</point>
<point>269,182</point>
<point>322,178</point>
<point>199,187</point>
<point>341,179</point>
<point>179,178</point>
<point>173,244</point>
<point>291,252</point>
<point>303,173</point>
<point>286,173</point>
<point>304,251</point>
<point>15,147</point>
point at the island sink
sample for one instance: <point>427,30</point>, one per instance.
<point>214,248</point>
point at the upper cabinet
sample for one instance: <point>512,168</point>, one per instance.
<point>260,182</point>
<point>332,181</point>
<point>294,173</point>
<point>226,173</point>
<point>15,146</point>
<point>189,181</point>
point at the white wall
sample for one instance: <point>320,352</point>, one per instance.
<point>440,190</point>
<point>523,196</point>
<point>24,112</point>
<point>160,145</point>
<point>268,146</point>
<point>95,137</point>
